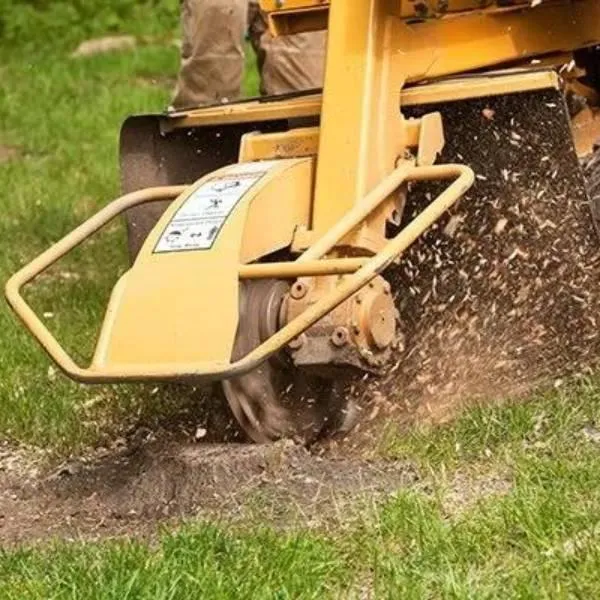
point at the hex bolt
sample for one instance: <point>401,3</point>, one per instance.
<point>298,290</point>
<point>340,336</point>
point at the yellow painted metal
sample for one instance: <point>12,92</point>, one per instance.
<point>270,6</point>
<point>478,40</point>
<point>45,260</point>
<point>174,315</point>
<point>200,288</point>
<point>480,37</point>
<point>198,369</point>
<point>496,83</point>
<point>362,133</point>
<point>299,21</point>
<point>427,50</point>
<point>430,141</point>
<point>586,131</point>
<point>405,8</point>
<point>279,210</point>
<point>431,9</point>
<point>556,61</point>
<point>462,88</point>
<point>294,143</point>
<point>379,53</point>
<point>359,212</point>
<point>293,270</point>
<point>293,16</point>
<point>252,111</point>
<point>425,136</point>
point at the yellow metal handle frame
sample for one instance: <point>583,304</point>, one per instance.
<point>55,253</point>
<point>363,271</point>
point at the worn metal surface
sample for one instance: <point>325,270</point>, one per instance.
<point>355,337</point>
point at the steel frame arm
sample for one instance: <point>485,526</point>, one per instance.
<point>363,272</point>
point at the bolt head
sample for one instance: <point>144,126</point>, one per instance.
<point>340,337</point>
<point>299,290</point>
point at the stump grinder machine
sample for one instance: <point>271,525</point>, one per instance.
<point>267,235</point>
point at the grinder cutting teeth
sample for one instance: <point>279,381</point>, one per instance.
<point>215,196</point>
<point>275,400</point>
<point>299,392</point>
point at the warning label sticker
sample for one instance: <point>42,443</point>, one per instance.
<point>197,223</point>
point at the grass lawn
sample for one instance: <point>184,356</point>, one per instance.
<point>62,117</point>
<point>508,505</point>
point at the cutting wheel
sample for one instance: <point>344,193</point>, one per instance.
<point>276,400</point>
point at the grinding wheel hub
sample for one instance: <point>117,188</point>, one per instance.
<point>276,400</point>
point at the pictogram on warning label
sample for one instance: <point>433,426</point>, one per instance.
<point>197,223</point>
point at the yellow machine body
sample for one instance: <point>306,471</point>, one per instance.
<point>321,192</point>
<point>138,331</point>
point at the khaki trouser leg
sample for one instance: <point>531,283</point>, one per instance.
<point>290,63</point>
<point>212,53</point>
<point>293,63</point>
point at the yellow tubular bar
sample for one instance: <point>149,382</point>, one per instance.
<point>293,270</point>
<point>56,252</point>
<point>360,211</point>
<point>211,371</point>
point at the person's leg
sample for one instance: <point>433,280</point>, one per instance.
<point>212,52</point>
<point>288,63</point>
<point>294,63</point>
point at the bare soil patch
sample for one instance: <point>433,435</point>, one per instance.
<point>131,492</point>
<point>116,43</point>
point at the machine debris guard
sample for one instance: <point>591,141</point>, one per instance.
<point>423,220</point>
